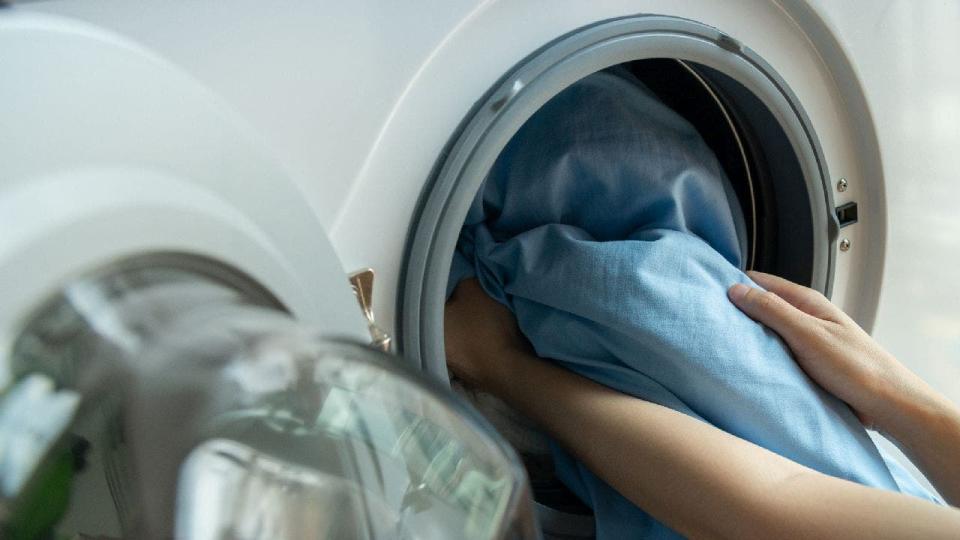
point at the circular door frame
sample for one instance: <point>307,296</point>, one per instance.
<point>520,93</point>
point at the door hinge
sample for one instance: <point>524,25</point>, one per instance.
<point>362,283</point>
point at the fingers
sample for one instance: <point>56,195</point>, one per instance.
<point>803,298</point>
<point>771,310</point>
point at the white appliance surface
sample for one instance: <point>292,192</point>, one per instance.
<point>358,99</point>
<point>906,54</point>
<point>109,152</point>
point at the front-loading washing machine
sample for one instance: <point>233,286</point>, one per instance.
<point>170,164</point>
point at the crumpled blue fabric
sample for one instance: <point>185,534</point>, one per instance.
<point>609,229</point>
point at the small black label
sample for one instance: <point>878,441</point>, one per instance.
<point>847,214</point>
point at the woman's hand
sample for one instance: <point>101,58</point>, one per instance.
<point>831,347</point>
<point>848,363</point>
<point>480,335</point>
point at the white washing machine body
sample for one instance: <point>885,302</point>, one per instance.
<point>359,107</point>
<point>359,101</point>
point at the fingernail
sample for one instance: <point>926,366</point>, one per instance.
<point>737,291</point>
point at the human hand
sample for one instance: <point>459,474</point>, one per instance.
<point>834,351</point>
<point>480,335</point>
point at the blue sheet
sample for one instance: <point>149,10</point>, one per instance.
<point>609,229</point>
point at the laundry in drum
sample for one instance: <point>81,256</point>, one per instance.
<point>609,229</point>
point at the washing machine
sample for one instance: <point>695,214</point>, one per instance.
<point>215,215</point>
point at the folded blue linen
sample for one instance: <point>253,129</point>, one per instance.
<point>609,229</point>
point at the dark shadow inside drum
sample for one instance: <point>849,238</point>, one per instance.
<point>756,156</point>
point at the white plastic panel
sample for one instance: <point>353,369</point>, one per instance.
<point>906,54</point>
<point>315,79</point>
<point>107,151</point>
<point>359,98</point>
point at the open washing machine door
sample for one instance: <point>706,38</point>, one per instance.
<point>179,341</point>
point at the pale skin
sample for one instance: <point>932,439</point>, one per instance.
<point>706,483</point>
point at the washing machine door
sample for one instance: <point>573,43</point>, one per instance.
<point>151,401</point>
<point>179,344</point>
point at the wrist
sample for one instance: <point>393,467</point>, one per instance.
<point>915,411</point>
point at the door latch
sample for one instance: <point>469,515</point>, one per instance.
<point>362,283</point>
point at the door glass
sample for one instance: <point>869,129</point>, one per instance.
<point>177,405</point>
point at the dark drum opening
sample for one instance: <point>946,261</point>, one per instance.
<point>755,154</point>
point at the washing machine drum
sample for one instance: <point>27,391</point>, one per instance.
<point>742,110</point>
<point>756,156</point>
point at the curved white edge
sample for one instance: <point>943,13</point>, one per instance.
<point>107,152</point>
<point>869,235</point>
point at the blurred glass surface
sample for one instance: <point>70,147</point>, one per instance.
<point>199,409</point>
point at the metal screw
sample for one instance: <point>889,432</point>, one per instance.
<point>842,185</point>
<point>845,244</point>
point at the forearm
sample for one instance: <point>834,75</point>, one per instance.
<point>665,462</point>
<point>926,426</point>
<point>696,478</point>
<point>840,356</point>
